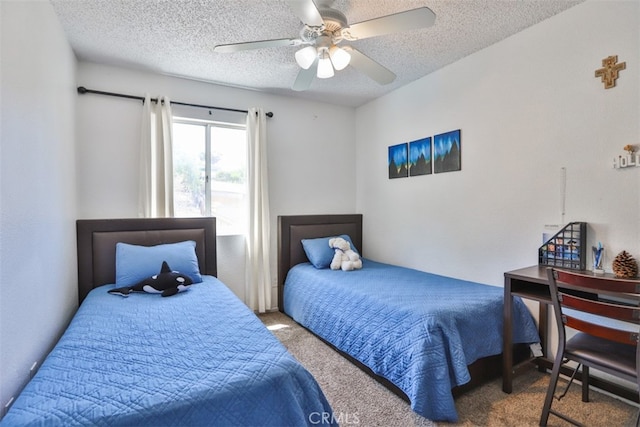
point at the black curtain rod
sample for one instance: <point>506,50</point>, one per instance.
<point>82,90</point>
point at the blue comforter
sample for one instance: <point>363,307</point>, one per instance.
<point>197,358</point>
<point>418,330</point>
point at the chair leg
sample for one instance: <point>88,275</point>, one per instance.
<point>585,383</point>
<point>551,391</point>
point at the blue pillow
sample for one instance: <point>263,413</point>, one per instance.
<point>319,252</point>
<point>135,263</point>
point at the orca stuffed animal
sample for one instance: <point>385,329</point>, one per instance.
<point>166,283</point>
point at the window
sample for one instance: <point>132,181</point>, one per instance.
<point>210,172</point>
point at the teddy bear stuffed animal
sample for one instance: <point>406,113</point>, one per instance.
<point>344,257</point>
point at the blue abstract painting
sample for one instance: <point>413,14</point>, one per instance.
<point>398,161</point>
<point>420,157</point>
<point>446,152</point>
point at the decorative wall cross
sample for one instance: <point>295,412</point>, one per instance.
<point>609,71</point>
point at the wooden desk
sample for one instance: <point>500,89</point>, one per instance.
<point>531,283</point>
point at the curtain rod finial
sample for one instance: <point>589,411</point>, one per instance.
<point>82,89</point>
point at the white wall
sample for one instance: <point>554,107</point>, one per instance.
<point>527,107</point>
<point>311,152</point>
<point>37,195</point>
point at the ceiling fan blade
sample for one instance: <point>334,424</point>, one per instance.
<point>305,77</point>
<point>421,17</point>
<point>236,47</point>
<point>368,66</point>
<point>307,11</point>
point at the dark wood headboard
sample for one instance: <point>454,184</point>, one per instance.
<point>292,229</point>
<point>97,238</point>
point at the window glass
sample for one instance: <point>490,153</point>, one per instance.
<point>229,178</point>
<point>189,170</point>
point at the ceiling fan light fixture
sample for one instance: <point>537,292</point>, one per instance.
<point>325,69</point>
<point>324,27</point>
<point>306,56</point>
<point>339,57</point>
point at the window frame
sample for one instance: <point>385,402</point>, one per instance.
<point>209,125</point>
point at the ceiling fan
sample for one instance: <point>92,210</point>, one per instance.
<point>324,29</point>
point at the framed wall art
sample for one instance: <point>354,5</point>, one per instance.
<point>420,157</point>
<point>446,152</point>
<point>398,161</point>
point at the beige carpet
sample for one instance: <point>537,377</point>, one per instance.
<point>357,399</point>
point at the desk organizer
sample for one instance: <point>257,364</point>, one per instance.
<point>567,248</point>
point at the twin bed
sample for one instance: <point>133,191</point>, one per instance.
<point>200,357</point>
<point>420,334</point>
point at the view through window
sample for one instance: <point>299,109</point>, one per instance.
<point>210,172</point>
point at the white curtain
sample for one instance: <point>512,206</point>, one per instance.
<point>258,281</point>
<point>156,160</point>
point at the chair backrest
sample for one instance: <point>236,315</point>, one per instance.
<point>600,297</point>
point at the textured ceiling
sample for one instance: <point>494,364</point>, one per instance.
<point>176,37</point>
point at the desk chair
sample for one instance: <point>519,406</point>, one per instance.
<point>612,349</point>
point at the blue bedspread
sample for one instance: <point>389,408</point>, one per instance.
<point>197,358</point>
<point>418,330</point>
